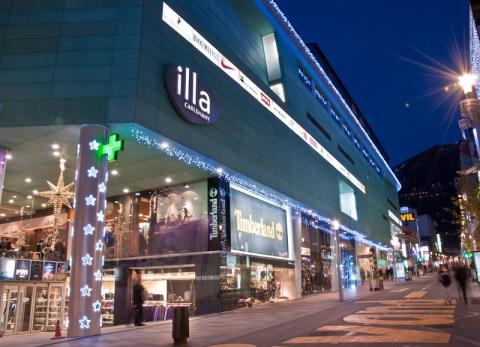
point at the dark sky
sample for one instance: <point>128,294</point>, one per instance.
<point>393,57</point>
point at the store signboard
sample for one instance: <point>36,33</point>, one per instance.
<point>36,270</point>
<point>7,269</point>
<point>217,214</point>
<point>258,226</point>
<point>22,270</point>
<point>190,96</point>
<point>49,269</point>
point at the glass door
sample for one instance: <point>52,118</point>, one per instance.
<point>41,305</point>
<point>11,310</point>
<point>24,310</point>
<point>54,306</point>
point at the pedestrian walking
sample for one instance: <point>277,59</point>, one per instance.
<point>139,294</point>
<point>445,279</point>
<point>461,275</point>
<point>362,275</point>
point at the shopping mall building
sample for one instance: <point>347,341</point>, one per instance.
<point>210,151</point>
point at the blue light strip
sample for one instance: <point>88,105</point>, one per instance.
<point>325,76</point>
<point>191,158</point>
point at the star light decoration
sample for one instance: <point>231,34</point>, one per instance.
<point>84,322</point>
<point>58,196</point>
<point>97,306</point>
<point>86,290</point>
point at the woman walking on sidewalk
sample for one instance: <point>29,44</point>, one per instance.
<point>445,279</point>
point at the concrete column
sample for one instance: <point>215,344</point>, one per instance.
<point>84,310</point>
<point>3,166</point>
<point>297,242</point>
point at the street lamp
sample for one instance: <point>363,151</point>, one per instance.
<point>336,227</point>
<point>394,242</point>
<point>467,81</point>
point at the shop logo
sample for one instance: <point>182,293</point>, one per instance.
<point>213,192</point>
<point>192,99</point>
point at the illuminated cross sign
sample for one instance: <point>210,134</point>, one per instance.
<point>111,149</point>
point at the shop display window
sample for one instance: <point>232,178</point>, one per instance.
<point>160,221</point>
<point>40,309</point>
<point>317,258</point>
<point>108,295</point>
<point>246,281</point>
<point>166,288</point>
<point>34,243</point>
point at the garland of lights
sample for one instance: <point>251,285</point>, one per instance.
<point>325,76</point>
<point>192,158</point>
<point>474,52</point>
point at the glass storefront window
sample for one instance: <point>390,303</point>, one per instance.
<point>108,293</point>
<point>40,309</point>
<point>165,220</point>
<point>317,258</point>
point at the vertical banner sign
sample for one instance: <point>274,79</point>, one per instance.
<point>218,192</point>
<point>3,166</point>
<point>84,312</point>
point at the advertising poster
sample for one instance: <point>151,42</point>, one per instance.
<point>400,270</point>
<point>49,269</point>
<point>36,270</point>
<point>178,219</point>
<point>7,269</point>
<point>476,260</point>
<point>257,226</point>
<point>22,270</point>
<point>62,270</point>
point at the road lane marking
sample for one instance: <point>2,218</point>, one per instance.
<point>399,290</point>
<point>377,335</point>
<point>402,319</point>
<point>409,309</point>
<point>424,302</point>
<point>416,295</point>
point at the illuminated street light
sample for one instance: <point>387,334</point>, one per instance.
<point>467,81</point>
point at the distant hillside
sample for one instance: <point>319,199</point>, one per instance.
<point>428,184</point>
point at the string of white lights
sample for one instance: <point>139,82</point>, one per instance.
<point>325,76</point>
<point>191,158</point>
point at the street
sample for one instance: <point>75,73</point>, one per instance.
<point>408,313</point>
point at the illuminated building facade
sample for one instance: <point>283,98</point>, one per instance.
<point>239,152</point>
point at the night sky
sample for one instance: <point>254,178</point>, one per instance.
<point>395,58</point>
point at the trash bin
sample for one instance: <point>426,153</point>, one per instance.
<point>180,324</point>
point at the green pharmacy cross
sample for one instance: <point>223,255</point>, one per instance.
<point>111,149</point>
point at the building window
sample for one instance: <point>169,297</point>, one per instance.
<point>348,204</point>
<point>318,126</point>
<point>345,154</point>
<point>272,61</point>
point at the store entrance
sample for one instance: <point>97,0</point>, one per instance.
<point>16,309</point>
<point>26,308</point>
<point>166,287</point>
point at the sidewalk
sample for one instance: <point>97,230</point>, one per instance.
<point>205,330</point>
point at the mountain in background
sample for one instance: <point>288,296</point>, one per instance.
<point>429,182</point>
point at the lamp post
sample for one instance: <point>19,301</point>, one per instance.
<point>336,227</point>
<point>393,243</point>
<point>470,164</point>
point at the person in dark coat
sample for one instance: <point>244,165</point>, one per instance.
<point>138,300</point>
<point>461,275</point>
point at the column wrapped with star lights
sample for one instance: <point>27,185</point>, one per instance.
<point>84,310</point>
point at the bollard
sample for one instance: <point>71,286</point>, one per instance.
<point>180,324</point>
